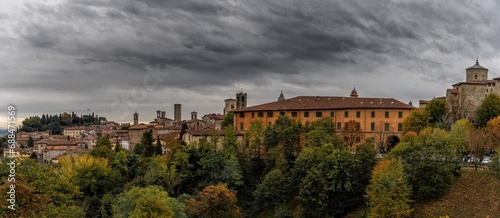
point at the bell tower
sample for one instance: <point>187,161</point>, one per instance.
<point>241,100</point>
<point>476,73</point>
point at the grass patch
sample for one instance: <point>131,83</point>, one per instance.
<point>474,194</point>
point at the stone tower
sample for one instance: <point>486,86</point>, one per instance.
<point>136,118</point>
<point>194,115</point>
<point>177,112</point>
<point>476,73</point>
<point>230,104</point>
<point>241,100</point>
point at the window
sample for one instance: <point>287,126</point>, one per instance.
<point>241,126</point>
<point>358,139</point>
<point>372,126</point>
<point>400,114</point>
<point>260,114</point>
<point>345,124</point>
<point>253,115</point>
<point>475,76</point>
<point>386,126</point>
<point>387,114</point>
<point>242,115</point>
<point>358,125</point>
<point>319,114</point>
<point>358,114</point>
<point>294,114</point>
<point>332,114</point>
<point>306,113</point>
<point>346,113</point>
<point>373,114</point>
<point>400,127</point>
<point>282,113</point>
<point>270,114</point>
<point>339,126</point>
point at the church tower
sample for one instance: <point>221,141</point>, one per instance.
<point>354,93</point>
<point>241,100</point>
<point>177,112</point>
<point>136,118</point>
<point>282,97</point>
<point>476,73</point>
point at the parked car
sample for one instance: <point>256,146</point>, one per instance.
<point>486,160</point>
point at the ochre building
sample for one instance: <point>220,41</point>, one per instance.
<point>376,117</point>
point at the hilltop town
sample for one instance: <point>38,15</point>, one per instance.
<point>380,119</point>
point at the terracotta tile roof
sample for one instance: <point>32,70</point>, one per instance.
<point>214,116</point>
<point>482,82</point>
<point>328,102</point>
<point>57,143</point>
<point>139,127</point>
<point>453,91</point>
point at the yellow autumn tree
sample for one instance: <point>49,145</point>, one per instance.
<point>388,194</point>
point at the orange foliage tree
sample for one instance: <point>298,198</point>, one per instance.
<point>214,201</point>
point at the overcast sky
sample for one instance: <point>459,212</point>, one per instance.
<point>116,57</point>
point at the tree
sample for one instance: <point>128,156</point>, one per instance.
<point>228,120</point>
<point>150,201</point>
<point>460,135</point>
<point>31,143</point>
<point>274,190</point>
<point>489,109</point>
<point>214,201</point>
<point>430,162</point>
<point>285,132</point>
<point>478,146</point>
<point>493,134</point>
<point>256,137</point>
<point>388,194</point>
<point>416,121</point>
<point>352,133</point>
<point>159,147</point>
<point>437,110</point>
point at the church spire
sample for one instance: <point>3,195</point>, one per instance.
<point>354,93</point>
<point>282,97</point>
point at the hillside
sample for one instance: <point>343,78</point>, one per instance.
<point>3,132</point>
<point>474,194</point>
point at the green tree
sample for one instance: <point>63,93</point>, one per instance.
<point>352,133</point>
<point>228,120</point>
<point>460,135</point>
<point>159,147</point>
<point>147,143</point>
<point>150,201</point>
<point>388,194</point>
<point>256,137</point>
<point>285,132</point>
<point>416,121</point>
<point>489,109</point>
<point>274,190</point>
<point>430,162</point>
<point>31,143</point>
<point>437,110</point>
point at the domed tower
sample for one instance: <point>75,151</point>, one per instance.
<point>282,97</point>
<point>476,73</point>
<point>354,94</point>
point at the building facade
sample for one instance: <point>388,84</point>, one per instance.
<point>465,97</point>
<point>373,115</point>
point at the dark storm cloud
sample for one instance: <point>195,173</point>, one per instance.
<point>318,47</point>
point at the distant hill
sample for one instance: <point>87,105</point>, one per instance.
<point>3,132</point>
